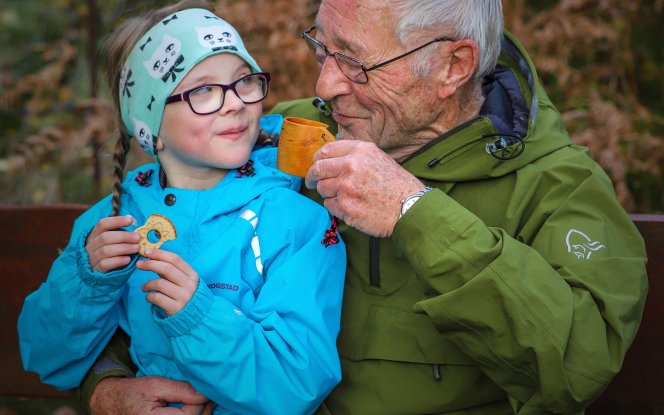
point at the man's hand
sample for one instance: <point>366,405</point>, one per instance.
<point>361,185</point>
<point>147,396</point>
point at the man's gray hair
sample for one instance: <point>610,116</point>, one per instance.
<point>479,20</point>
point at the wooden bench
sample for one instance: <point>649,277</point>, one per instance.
<point>639,387</point>
<point>30,238</point>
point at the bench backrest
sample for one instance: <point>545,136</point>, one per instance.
<point>639,387</point>
<point>30,238</point>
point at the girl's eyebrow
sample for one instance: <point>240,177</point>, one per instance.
<point>189,83</point>
<point>199,79</point>
<point>208,78</point>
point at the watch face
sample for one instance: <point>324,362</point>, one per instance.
<point>408,203</point>
<point>410,200</point>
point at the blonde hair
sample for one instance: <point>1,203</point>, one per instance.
<point>115,52</point>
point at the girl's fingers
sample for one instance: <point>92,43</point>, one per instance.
<point>164,287</point>
<point>106,241</point>
<point>109,264</point>
<point>111,223</point>
<point>177,283</point>
<point>169,305</point>
<point>170,297</point>
<point>164,269</point>
<point>116,249</point>
<point>112,238</point>
<point>171,258</point>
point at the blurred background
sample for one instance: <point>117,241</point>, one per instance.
<point>599,60</point>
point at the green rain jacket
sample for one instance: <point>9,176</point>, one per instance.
<point>515,286</point>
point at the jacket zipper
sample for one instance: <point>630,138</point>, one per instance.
<point>374,281</point>
<point>374,262</point>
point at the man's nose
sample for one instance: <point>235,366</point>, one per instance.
<point>331,81</point>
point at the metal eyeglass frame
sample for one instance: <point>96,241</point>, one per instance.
<point>356,63</point>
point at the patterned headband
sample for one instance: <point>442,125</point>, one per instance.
<point>161,58</point>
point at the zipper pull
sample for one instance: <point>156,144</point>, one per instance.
<point>436,372</point>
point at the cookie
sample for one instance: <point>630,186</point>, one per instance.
<point>163,230</point>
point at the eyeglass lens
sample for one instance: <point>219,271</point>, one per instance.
<point>210,98</point>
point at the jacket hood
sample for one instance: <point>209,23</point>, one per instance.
<point>233,192</point>
<point>516,125</point>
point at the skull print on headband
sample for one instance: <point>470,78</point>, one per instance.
<point>159,61</point>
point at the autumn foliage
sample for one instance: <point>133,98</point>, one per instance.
<point>57,132</point>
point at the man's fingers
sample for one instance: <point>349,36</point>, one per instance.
<point>209,408</point>
<point>143,395</point>
<point>332,206</point>
<point>326,168</point>
<point>334,158</point>
<point>183,410</point>
<point>189,410</point>
<point>328,188</point>
<point>170,390</point>
<point>328,160</point>
<point>336,149</point>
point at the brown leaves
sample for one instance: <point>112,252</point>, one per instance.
<point>42,85</point>
<point>271,31</point>
<point>582,50</point>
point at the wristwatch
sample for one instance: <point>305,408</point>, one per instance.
<point>408,201</point>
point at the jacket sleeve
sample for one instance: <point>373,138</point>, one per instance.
<point>280,356</point>
<point>547,310</point>
<point>66,322</point>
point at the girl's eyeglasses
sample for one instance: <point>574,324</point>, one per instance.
<point>206,99</point>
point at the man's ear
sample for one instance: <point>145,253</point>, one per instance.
<point>459,66</point>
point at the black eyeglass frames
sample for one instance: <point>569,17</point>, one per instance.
<point>209,98</point>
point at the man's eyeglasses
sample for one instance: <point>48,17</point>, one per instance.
<point>206,99</point>
<point>352,68</point>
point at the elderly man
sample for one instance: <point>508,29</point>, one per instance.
<point>491,269</point>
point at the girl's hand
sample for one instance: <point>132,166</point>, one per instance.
<point>177,282</point>
<point>110,247</point>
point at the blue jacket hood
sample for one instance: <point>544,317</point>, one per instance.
<point>233,192</point>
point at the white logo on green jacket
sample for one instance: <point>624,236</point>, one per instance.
<point>581,245</point>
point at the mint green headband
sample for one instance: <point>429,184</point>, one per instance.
<point>162,57</point>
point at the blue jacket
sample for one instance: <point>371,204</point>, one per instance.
<point>259,334</point>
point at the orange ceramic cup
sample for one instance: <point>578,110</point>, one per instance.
<point>300,138</point>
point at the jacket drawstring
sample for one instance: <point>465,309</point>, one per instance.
<point>436,372</point>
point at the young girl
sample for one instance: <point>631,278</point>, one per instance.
<point>244,303</point>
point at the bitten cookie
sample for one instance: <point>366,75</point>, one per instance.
<point>163,229</point>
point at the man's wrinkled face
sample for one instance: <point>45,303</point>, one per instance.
<point>394,105</point>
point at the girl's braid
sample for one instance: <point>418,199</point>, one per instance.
<point>122,147</point>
